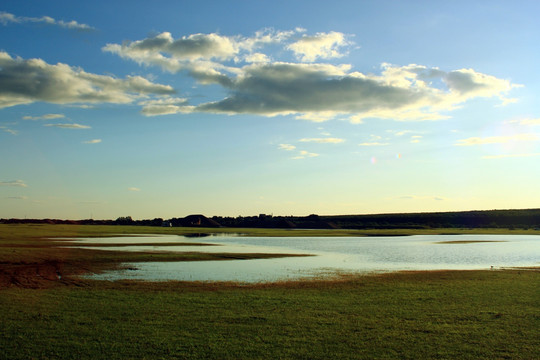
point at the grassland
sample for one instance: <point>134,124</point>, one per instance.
<point>416,315</point>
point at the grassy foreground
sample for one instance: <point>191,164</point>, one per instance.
<point>417,315</point>
<point>435,315</point>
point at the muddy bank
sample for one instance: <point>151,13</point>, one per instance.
<point>45,264</point>
<point>45,274</point>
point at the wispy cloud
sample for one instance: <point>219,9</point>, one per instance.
<point>400,133</point>
<point>328,140</point>
<point>19,183</point>
<point>305,154</point>
<point>7,18</point>
<point>134,189</point>
<point>287,147</point>
<point>69,126</point>
<point>44,117</point>
<point>374,143</point>
<point>505,156</point>
<point>422,197</point>
<point>94,141</point>
<point>527,122</point>
<point>497,139</point>
<point>414,139</point>
<point>9,130</point>
<point>17,197</point>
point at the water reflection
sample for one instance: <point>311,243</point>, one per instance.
<point>333,255</point>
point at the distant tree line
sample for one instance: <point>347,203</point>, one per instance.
<point>529,218</point>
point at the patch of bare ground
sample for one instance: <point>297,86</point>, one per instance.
<point>468,241</point>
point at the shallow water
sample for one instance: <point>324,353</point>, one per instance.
<point>333,255</point>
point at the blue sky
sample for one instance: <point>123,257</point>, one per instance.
<point>164,109</point>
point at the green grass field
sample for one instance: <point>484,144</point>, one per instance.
<point>418,315</point>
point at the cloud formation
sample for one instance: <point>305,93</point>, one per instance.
<point>7,18</point>
<point>305,154</point>
<point>497,139</point>
<point>373,143</point>
<point>164,106</point>
<point>94,141</point>
<point>287,147</point>
<point>311,91</point>
<point>18,183</point>
<point>44,117</point>
<point>321,45</point>
<point>69,126</point>
<point>528,122</point>
<point>27,81</point>
<point>327,140</point>
<point>506,156</point>
<point>135,189</point>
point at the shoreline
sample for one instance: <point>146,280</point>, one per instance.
<point>35,256</point>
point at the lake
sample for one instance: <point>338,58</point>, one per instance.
<point>331,255</point>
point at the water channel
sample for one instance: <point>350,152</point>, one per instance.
<point>331,255</point>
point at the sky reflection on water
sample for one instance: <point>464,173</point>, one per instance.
<point>333,255</point>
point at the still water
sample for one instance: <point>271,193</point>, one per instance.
<point>331,255</point>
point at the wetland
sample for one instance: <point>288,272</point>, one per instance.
<point>50,309</point>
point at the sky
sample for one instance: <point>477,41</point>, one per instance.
<point>170,108</point>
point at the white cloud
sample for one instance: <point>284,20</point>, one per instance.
<point>400,133</point>
<point>18,183</point>
<point>305,154</point>
<point>44,117</point>
<point>287,147</point>
<point>134,189</point>
<point>7,18</point>
<point>164,106</point>
<point>17,197</point>
<point>497,139</point>
<point>69,126</point>
<point>255,84</point>
<point>321,45</point>
<point>94,141</point>
<point>415,139</point>
<point>28,81</point>
<point>323,140</point>
<point>373,143</point>
<point>199,54</point>
<point>318,116</point>
<point>286,88</point>
<point>257,58</point>
<point>530,122</point>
